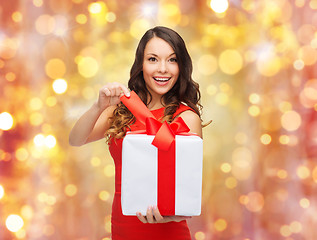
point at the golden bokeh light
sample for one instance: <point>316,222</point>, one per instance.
<point>207,64</point>
<point>17,16</point>
<point>225,167</point>
<point>303,172</point>
<point>304,203</point>
<point>6,121</point>
<point>255,202</point>
<point>55,68</point>
<point>266,139</point>
<point>1,192</point>
<point>45,24</point>
<point>200,236</point>
<point>14,223</point>
<point>291,120</point>
<point>219,6</point>
<point>104,195</point>
<point>60,86</point>
<point>70,190</point>
<point>88,67</point>
<point>230,61</point>
<point>220,225</point>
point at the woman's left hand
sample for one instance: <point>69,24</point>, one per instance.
<point>153,216</point>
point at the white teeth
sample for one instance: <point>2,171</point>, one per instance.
<point>162,79</point>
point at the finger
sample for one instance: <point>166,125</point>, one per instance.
<point>125,90</point>
<point>107,92</point>
<point>140,217</point>
<point>149,215</point>
<point>157,215</point>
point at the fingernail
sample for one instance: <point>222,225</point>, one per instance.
<point>128,95</point>
<point>154,207</point>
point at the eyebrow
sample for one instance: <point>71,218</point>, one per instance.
<point>157,55</point>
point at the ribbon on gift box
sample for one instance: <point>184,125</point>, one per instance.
<point>164,140</point>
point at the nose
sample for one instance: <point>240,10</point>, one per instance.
<point>162,68</point>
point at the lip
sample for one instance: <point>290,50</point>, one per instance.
<point>161,83</point>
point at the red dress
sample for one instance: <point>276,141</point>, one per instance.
<point>130,227</point>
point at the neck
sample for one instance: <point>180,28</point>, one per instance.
<point>155,102</point>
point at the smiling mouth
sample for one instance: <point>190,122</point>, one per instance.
<point>160,79</point>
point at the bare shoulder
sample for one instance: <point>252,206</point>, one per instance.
<point>193,121</point>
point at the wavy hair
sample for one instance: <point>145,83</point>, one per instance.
<point>185,90</point>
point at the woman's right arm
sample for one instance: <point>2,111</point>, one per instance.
<point>92,125</point>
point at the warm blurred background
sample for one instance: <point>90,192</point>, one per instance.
<point>256,64</point>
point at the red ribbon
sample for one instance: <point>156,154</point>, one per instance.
<point>164,140</point>
<point>164,132</point>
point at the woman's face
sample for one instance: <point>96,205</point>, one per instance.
<point>160,67</point>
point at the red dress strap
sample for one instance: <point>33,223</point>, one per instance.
<point>182,108</point>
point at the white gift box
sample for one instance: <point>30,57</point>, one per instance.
<point>140,174</point>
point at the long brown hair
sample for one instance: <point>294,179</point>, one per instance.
<point>185,90</point>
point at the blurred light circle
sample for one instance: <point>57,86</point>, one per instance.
<point>230,61</point>
<point>285,231</point>
<point>266,139</point>
<point>219,6</point>
<point>308,55</point>
<point>291,120</point>
<point>88,67</point>
<point>207,64</point>
<point>308,96</point>
<point>225,167</point>
<point>104,195</point>
<point>6,121</point>
<point>220,225</point>
<point>50,141</point>
<point>254,111</point>
<point>200,236</point>
<point>8,48</point>
<point>256,202</point>
<point>95,7</point>
<point>1,192</point>
<point>303,172</point>
<point>254,98</point>
<point>139,27</point>
<point>241,163</point>
<point>17,16</point>
<point>14,223</point>
<point>81,18</point>
<point>38,3</point>
<point>45,24</point>
<point>70,190</point>
<point>27,212</point>
<point>269,66</point>
<point>306,33</point>
<point>55,68</point>
<point>21,154</point>
<point>36,103</point>
<point>299,64</point>
<point>61,25</point>
<point>111,17</point>
<point>211,89</point>
<point>39,140</point>
<point>59,86</point>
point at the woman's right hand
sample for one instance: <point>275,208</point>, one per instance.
<point>110,94</point>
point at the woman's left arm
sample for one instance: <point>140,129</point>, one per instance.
<point>193,121</point>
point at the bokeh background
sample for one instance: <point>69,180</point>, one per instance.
<point>255,62</point>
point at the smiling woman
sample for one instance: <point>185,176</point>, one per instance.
<point>161,76</point>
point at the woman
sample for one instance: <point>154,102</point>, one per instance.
<point>161,76</point>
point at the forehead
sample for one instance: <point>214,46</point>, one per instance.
<point>158,46</point>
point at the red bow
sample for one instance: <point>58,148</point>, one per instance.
<point>164,132</point>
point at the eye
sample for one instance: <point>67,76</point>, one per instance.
<point>152,59</point>
<point>173,60</point>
